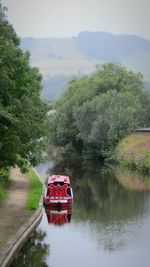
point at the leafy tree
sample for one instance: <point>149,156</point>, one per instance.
<point>6,28</point>
<point>22,113</point>
<point>96,111</point>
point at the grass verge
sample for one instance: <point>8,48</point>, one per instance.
<point>4,183</point>
<point>133,152</point>
<point>35,191</point>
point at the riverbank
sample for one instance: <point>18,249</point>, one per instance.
<point>16,222</point>
<point>133,152</point>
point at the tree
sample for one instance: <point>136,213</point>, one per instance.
<point>22,112</point>
<point>96,111</point>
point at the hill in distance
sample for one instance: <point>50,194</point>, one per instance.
<point>59,59</point>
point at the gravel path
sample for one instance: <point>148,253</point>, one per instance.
<point>12,212</point>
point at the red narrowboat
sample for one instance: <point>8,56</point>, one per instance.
<point>58,191</point>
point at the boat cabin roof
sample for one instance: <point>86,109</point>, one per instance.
<point>58,178</point>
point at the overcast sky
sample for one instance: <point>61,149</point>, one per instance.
<point>65,18</point>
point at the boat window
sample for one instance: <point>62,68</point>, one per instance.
<point>69,191</point>
<point>60,183</point>
<point>48,191</point>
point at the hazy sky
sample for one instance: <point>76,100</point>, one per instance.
<point>65,18</point>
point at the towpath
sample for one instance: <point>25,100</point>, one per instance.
<point>12,212</point>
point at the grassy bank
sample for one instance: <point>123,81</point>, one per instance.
<point>4,183</point>
<point>35,191</point>
<point>134,152</point>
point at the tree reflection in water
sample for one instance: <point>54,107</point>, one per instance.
<point>111,214</point>
<point>97,193</point>
<point>33,253</point>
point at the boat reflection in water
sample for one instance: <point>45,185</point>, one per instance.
<point>58,215</point>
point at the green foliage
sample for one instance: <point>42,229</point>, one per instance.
<point>107,118</point>
<point>22,113</point>
<point>96,112</point>
<point>6,30</point>
<point>2,194</point>
<point>4,182</point>
<point>35,191</point>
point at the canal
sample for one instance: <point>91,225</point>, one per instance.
<point>107,226</point>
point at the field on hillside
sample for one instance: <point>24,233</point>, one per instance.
<point>58,56</point>
<point>68,56</point>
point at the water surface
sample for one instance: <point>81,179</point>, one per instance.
<point>108,225</point>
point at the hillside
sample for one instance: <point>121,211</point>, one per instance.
<point>57,56</point>
<point>76,56</point>
<point>106,46</point>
